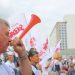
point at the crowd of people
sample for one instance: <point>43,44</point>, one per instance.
<point>60,66</point>
<point>27,63</point>
<point>56,65</point>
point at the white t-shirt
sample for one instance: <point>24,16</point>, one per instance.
<point>36,71</point>
<point>11,66</point>
<point>5,70</point>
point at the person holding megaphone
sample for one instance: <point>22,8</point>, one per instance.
<point>25,67</point>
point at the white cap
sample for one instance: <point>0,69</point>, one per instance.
<point>10,51</point>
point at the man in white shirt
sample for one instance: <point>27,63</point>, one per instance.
<point>25,67</point>
<point>34,59</point>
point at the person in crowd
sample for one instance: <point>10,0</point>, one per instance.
<point>34,59</point>
<point>25,67</point>
<point>70,59</point>
<point>57,66</point>
<point>71,70</point>
<point>47,66</point>
<point>10,62</point>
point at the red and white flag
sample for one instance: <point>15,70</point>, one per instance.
<point>33,42</point>
<point>57,48</point>
<point>17,24</point>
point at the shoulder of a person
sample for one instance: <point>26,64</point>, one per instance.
<point>36,71</point>
<point>5,66</point>
<point>33,68</point>
<point>7,62</point>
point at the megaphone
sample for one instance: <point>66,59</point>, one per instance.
<point>34,20</point>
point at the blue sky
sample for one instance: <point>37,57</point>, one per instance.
<point>50,11</point>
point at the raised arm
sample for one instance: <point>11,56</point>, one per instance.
<point>25,67</point>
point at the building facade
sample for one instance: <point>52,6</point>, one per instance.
<point>64,31</point>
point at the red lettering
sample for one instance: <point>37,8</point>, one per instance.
<point>11,34</point>
<point>16,31</point>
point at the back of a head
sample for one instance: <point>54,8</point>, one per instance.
<point>57,55</point>
<point>2,21</point>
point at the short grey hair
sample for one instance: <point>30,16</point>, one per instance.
<point>2,21</point>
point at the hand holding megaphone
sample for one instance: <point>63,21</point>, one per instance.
<point>34,20</point>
